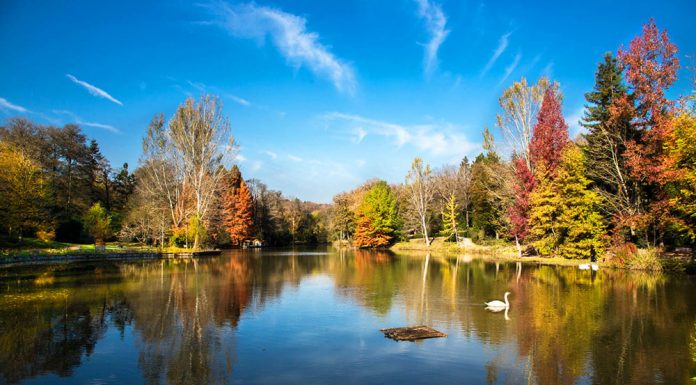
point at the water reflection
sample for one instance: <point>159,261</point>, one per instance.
<point>206,321</point>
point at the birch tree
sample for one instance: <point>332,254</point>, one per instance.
<point>420,193</point>
<point>520,104</point>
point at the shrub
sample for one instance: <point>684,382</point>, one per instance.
<point>46,235</point>
<point>645,259</point>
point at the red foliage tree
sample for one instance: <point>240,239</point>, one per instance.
<point>651,66</point>
<point>242,226</point>
<point>550,134</point>
<point>519,211</point>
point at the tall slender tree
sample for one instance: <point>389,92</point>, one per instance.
<point>550,133</point>
<point>420,194</point>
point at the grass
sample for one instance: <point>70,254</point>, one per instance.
<point>35,247</point>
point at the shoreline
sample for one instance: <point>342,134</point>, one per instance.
<point>508,253</point>
<point>40,259</point>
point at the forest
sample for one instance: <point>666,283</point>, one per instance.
<point>626,186</point>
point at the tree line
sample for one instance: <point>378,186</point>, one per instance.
<point>56,185</point>
<point>628,181</point>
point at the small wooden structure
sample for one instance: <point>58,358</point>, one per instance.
<point>412,333</point>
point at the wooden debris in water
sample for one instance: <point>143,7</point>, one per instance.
<point>412,333</point>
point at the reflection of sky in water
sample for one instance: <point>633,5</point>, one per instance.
<point>260,317</point>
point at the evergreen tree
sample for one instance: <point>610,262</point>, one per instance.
<point>490,192</point>
<point>580,225</point>
<point>376,217</point>
<point>450,219</point>
<point>544,202</point>
<point>608,88</point>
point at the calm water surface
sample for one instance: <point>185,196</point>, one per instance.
<point>313,317</point>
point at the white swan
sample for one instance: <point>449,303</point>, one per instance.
<point>499,305</point>
<point>595,267</point>
<point>584,266</point>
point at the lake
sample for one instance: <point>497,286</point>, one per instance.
<point>313,317</point>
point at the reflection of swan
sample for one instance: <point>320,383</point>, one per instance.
<point>499,305</point>
<point>584,266</point>
<point>595,267</point>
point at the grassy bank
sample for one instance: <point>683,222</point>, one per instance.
<point>31,247</point>
<point>644,259</point>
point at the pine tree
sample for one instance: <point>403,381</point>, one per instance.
<point>580,225</point>
<point>376,217</point>
<point>550,134</point>
<point>450,219</point>
<point>608,88</point>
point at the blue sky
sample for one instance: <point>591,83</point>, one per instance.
<point>321,95</point>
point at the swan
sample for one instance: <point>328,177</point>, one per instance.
<point>499,304</point>
<point>595,267</point>
<point>584,266</point>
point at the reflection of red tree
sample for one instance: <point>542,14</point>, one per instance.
<point>234,292</point>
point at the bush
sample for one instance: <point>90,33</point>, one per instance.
<point>645,259</point>
<point>46,235</point>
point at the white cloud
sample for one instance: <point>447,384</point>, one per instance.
<point>98,125</point>
<point>509,69</point>
<point>240,158</point>
<point>295,158</point>
<point>502,45</point>
<point>6,105</point>
<point>271,154</point>
<point>360,134</point>
<point>93,89</point>
<point>548,70</point>
<point>440,139</point>
<point>289,34</point>
<point>79,121</point>
<point>435,22</point>
<point>239,100</point>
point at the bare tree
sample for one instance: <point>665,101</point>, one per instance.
<point>200,136</point>
<point>520,104</point>
<point>420,193</point>
<point>183,160</point>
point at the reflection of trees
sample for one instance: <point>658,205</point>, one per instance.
<point>566,325</point>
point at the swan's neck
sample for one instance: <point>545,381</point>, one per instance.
<point>506,300</point>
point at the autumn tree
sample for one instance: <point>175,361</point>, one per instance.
<point>683,192</point>
<point>491,190</point>
<point>420,194</point>
<point>544,202</point>
<point>550,133</point>
<point>244,215</point>
<point>376,220</point>
<point>519,210</point>
<point>97,222</point>
<point>22,192</point>
<point>520,104</point>
<point>450,219</point>
<point>580,225</point>
<point>608,119</point>
<point>651,66</point>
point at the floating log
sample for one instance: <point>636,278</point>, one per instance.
<point>412,333</point>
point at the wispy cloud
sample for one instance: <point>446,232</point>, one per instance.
<point>502,45</point>
<point>94,90</point>
<point>200,87</point>
<point>77,120</point>
<point>573,121</point>
<point>295,158</point>
<point>289,34</point>
<point>435,22</point>
<point>6,105</point>
<point>271,154</point>
<point>548,70</point>
<point>360,134</point>
<point>509,69</point>
<point>438,139</point>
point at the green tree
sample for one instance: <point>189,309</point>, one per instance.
<point>377,217</point>
<point>97,223</point>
